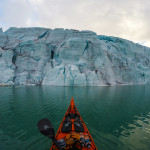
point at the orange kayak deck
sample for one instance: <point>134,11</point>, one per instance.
<point>60,135</point>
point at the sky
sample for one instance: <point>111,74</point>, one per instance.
<point>128,19</point>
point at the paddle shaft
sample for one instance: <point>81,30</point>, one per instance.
<point>55,142</point>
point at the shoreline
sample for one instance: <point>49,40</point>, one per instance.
<point>117,85</point>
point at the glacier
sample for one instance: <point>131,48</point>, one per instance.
<point>67,57</point>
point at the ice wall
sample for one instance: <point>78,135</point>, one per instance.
<point>40,56</point>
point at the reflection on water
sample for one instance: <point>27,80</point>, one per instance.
<point>117,117</point>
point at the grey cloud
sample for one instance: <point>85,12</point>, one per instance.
<point>127,19</point>
<point>16,13</point>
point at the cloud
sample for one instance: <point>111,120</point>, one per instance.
<point>127,19</point>
<point>145,43</point>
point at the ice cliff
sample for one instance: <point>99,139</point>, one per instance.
<point>40,56</point>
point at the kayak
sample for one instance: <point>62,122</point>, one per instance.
<point>73,132</point>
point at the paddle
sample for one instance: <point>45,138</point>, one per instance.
<point>46,128</point>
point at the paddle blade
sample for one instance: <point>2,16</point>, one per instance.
<point>46,128</point>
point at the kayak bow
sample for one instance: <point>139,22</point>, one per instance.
<point>72,128</point>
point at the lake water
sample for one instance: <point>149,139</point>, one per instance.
<point>118,118</point>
